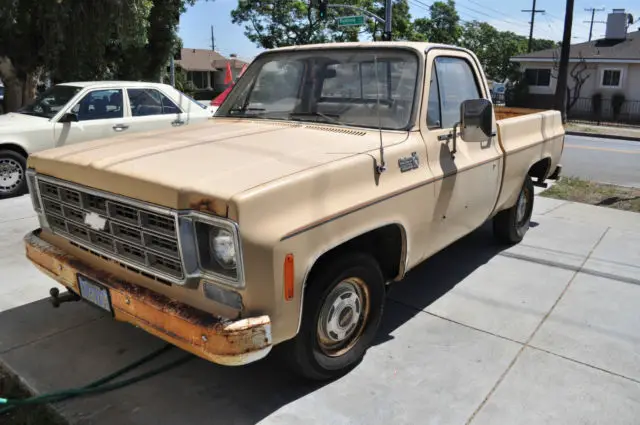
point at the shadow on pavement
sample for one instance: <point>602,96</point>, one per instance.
<point>438,275</point>
<point>71,346</point>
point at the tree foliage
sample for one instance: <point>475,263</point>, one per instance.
<point>83,40</point>
<point>443,25</point>
<point>279,23</point>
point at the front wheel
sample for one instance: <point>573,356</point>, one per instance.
<point>342,311</point>
<point>13,181</point>
<point>510,226</point>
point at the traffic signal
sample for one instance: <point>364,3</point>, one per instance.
<point>322,9</point>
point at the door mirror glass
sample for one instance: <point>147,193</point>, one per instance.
<point>69,117</point>
<point>476,120</point>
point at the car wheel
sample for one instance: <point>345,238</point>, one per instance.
<point>343,306</point>
<point>13,181</point>
<point>510,226</point>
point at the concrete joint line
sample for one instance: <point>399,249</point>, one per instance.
<point>533,334</point>
<point>556,207</point>
<point>585,364</point>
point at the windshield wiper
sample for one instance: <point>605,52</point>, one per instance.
<point>243,111</point>
<point>333,118</point>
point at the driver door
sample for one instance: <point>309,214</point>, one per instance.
<point>100,115</point>
<point>468,181</point>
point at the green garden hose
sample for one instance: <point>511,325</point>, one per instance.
<point>101,385</point>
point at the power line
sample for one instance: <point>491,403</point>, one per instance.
<point>533,18</point>
<point>593,11</point>
<point>493,16</point>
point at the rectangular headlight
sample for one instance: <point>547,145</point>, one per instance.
<point>219,252</point>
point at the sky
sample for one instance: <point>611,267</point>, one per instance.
<point>195,24</point>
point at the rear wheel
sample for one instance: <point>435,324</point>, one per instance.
<point>13,181</point>
<point>342,311</point>
<point>510,226</point>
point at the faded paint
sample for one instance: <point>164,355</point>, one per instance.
<point>213,338</point>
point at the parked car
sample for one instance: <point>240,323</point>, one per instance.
<point>329,172</point>
<point>78,112</point>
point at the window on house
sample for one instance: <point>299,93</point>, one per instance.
<point>611,78</point>
<point>538,77</point>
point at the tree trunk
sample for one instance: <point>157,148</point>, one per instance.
<point>30,87</point>
<point>13,86</point>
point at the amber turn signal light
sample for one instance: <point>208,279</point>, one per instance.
<point>288,277</point>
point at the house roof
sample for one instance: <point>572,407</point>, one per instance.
<point>602,50</point>
<point>206,60</point>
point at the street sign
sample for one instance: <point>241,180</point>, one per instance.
<point>350,21</point>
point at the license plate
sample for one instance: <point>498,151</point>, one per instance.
<point>94,293</point>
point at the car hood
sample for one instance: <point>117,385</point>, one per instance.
<point>12,122</point>
<point>203,166</point>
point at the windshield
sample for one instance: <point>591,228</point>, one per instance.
<point>50,102</point>
<point>363,88</point>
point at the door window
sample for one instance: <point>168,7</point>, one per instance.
<point>146,102</point>
<point>99,105</point>
<point>456,83</point>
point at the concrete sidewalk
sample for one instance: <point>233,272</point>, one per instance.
<point>545,332</point>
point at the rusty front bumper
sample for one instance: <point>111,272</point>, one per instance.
<point>218,340</point>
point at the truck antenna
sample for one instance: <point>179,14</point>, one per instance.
<point>382,167</point>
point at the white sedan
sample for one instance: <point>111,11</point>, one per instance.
<point>79,112</point>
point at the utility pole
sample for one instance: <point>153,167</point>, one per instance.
<point>533,18</point>
<point>387,20</point>
<point>213,40</point>
<point>593,11</point>
<point>561,87</point>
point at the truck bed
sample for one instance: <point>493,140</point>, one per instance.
<point>504,112</point>
<point>526,138</point>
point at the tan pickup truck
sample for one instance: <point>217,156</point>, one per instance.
<point>329,172</point>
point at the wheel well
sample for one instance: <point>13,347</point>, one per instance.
<point>15,148</point>
<point>385,244</point>
<point>540,169</point>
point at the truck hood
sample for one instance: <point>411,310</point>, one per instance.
<point>13,122</point>
<point>203,166</point>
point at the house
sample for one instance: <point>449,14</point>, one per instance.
<point>607,68</point>
<point>206,68</point>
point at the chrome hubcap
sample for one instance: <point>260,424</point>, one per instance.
<point>11,174</point>
<point>342,316</point>
<point>521,210</point>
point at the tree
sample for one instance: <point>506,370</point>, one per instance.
<point>443,25</point>
<point>83,40</point>
<point>579,74</point>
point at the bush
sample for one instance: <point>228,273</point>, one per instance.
<point>617,100</point>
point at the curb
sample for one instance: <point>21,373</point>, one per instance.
<point>602,136</point>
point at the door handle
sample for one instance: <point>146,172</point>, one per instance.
<point>177,123</point>
<point>120,127</point>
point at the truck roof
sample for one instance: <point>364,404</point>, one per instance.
<point>420,46</point>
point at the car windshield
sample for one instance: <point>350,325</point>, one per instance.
<point>363,88</point>
<point>50,102</point>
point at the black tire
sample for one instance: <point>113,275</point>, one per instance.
<point>306,354</point>
<point>506,226</point>
<point>10,160</point>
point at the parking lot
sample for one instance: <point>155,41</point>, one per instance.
<point>542,332</point>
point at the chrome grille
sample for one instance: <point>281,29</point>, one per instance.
<point>141,236</point>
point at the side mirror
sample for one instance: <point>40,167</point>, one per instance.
<point>476,120</point>
<point>69,117</point>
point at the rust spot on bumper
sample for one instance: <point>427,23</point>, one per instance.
<point>213,338</point>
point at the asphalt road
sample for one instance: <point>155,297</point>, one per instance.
<point>602,160</point>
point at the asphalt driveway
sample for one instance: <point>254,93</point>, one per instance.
<point>542,332</point>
